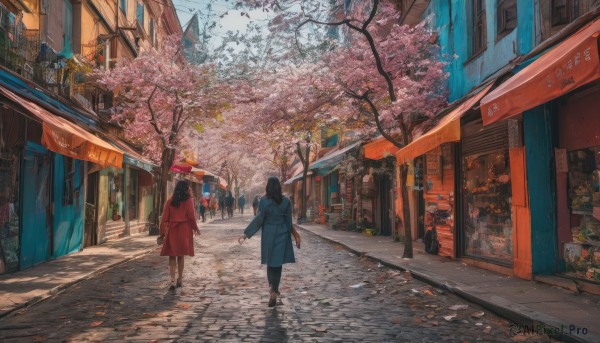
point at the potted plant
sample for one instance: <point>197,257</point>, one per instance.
<point>115,212</point>
<point>368,228</point>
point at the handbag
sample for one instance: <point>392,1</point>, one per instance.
<point>296,236</point>
<point>160,240</point>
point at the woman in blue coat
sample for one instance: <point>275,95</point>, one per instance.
<point>275,217</point>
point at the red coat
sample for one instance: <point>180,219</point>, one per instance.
<point>178,225</point>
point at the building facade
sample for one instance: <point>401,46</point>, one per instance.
<point>89,184</point>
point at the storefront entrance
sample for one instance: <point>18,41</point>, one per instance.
<point>487,194</point>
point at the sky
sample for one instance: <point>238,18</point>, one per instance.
<point>233,20</point>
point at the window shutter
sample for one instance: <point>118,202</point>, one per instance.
<point>478,139</point>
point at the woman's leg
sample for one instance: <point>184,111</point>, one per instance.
<point>172,268</point>
<point>274,277</point>
<point>180,267</point>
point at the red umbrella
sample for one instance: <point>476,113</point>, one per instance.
<point>181,168</point>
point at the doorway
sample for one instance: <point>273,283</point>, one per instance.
<point>90,236</point>
<point>385,202</point>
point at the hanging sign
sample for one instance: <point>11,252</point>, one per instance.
<point>560,156</point>
<point>433,164</point>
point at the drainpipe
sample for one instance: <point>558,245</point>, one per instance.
<point>126,198</point>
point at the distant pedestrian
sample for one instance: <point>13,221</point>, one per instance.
<point>275,219</point>
<point>255,204</point>
<point>229,203</point>
<point>241,203</point>
<point>177,226</point>
<point>203,207</point>
<point>213,205</point>
<point>222,206</point>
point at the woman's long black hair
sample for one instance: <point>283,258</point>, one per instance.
<point>181,193</point>
<point>273,190</point>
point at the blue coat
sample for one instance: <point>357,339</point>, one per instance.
<point>276,221</point>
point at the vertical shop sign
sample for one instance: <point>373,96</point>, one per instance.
<point>515,138</point>
<point>433,164</point>
<point>560,156</point>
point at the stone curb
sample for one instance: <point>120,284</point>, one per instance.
<point>519,316</point>
<point>57,289</point>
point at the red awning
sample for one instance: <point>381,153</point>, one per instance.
<point>66,138</point>
<point>569,65</point>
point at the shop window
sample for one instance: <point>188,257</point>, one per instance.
<point>9,209</point>
<point>133,194</point>
<point>115,196</point>
<point>582,255</point>
<point>506,12</point>
<point>478,27</point>
<point>488,206</point>
<point>69,193</point>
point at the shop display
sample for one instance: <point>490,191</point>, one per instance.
<point>582,255</point>
<point>487,195</point>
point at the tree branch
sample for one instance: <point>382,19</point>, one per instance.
<point>153,117</point>
<point>363,30</point>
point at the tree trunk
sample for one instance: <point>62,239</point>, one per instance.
<point>358,191</point>
<point>408,248</point>
<point>305,164</point>
<point>303,202</point>
<point>166,162</point>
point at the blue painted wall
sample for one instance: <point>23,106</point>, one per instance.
<point>451,20</point>
<point>539,124</point>
<point>68,217</point>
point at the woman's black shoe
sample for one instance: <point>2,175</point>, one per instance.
<point>273,299</point>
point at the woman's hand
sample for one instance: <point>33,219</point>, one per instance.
<point>241,239</point>
<point>298,241</point>
<point>197,232</point>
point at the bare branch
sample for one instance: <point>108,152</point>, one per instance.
<point>153,117</point>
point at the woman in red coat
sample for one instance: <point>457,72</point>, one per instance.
<point>178,226</point>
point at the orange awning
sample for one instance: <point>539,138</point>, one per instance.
<point>190,162</point>
<point>569,65</point>
<point>66,138</point>
<point>379,148</point>
<point>446,130</point>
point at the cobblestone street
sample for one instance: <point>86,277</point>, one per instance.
<point>329,295</point>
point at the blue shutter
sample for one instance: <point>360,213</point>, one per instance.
<point>140,13</point>
<point>67,29</point>
<point>123,5</point>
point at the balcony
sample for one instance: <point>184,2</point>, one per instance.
<point>19,49</point>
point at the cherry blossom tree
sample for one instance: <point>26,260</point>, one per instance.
<point>158,95</point>
<point>392,74</point>
<point>294,104</point>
